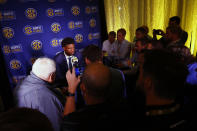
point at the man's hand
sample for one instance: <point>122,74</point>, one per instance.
<point>161,32</point>
<point>73,81</point>
<point>158,32</point>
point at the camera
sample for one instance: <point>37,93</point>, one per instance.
<point>158,32</point>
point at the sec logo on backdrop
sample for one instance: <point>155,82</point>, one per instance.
<point>75,10</point>
<point>93,36</point>
<point>90,37</point>
<point>92,23</point>
<point>55,27</point>
<point>15,64</point>
<point>71,25</point>
<point>31,13</point>
<point>6,49</point>
<point>28,30</point>
<point>50,12</point>
<point>87,10</point>
<point>16,48</point>
<point>8,32</point>
<point>75,25</point>
<point>56,42</point>
<point>78,38</point>
<point>7,15</point>
<point>36,45</point>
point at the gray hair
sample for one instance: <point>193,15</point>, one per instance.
<point>43,67</point>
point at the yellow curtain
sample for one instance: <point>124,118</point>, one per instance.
<point>130,14</point>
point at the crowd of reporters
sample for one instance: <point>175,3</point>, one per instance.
<point>147,83</point>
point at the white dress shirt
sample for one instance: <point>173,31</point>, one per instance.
<point>109,48</point>
<point>67,59</point>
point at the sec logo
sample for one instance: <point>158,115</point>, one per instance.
<point>31,13</point>
<point>36,45</point>
<point>50,12</point>
<point>75,10</point>
<point>55,42</point>
<point>88,10</point>
<point>55,27</point>
<point>90,37</point>
<point>28,30</point>
<point>78,38</point>
<point>15,64</point>
<point>92,23</point>
<point>6,49</point>
<point>8,32</point>
<point>71,25</point>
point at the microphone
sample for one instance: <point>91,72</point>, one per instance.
<point>78,69</point>
<point>76,65</point>
<point>75,61</point>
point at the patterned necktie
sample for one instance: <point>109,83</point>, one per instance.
<point>69,63</point>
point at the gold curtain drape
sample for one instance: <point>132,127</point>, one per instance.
<point>130,14</point>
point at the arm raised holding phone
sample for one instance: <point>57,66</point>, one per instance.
<point>73,82</point>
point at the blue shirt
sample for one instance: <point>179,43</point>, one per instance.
<point>34,93</point>
<point>192,76</point>
<point>122,51</point>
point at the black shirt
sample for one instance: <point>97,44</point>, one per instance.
<point>97,117</point>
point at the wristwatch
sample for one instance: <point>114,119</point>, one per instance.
<point>70,94</point>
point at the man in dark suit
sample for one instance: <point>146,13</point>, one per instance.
<point>65,61</point>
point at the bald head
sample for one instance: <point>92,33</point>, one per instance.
<point>96,79</point>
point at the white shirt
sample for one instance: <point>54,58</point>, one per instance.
<point>73,59</point>
<point>109,48</point>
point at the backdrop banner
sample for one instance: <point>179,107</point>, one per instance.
<point>33,28</point>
